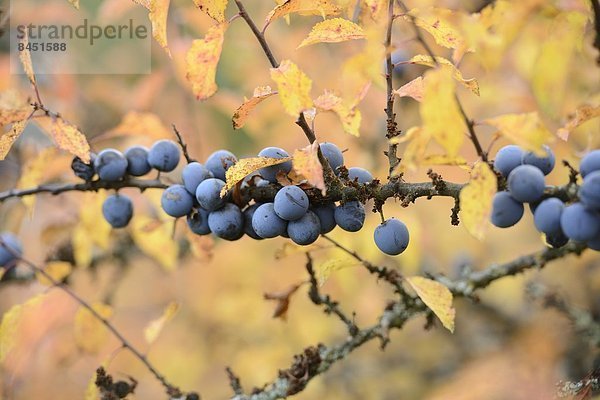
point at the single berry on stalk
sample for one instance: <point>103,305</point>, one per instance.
<point>117,210</point>
<point>392,237</point>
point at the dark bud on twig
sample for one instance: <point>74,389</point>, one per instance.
<point>83,170</point>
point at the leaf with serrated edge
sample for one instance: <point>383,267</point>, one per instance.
<point>333,31</point>
<point>314,7</point>
<point>421,59</point>
<point>241,114</point>
<point>69,138</point>
<point>582,114</point>
<point>202,59</point>
<point>293,86</point>
<point>476,200</point>
<point>306,163</point>
<point>245,167</point>
<point>437,297</point>
<point>155,327</point>
<point>213,8</point>
<point>7,140</point>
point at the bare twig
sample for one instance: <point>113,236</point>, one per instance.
<point>92,186</point>
<point>331,307</point>
<point>392,125</point>
<point>234,381</point>
<point>182,144</point>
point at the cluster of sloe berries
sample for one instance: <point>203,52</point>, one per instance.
<point>291,213</point>
<point>578,220</point>
<point>111,165</point>
<point>10,249</point>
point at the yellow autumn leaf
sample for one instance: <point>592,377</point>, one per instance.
<point>58,270</point>
<point>34,173</point>
<point>10,324</point>
<point>7,139</point>
<point>138,123</point>
<point>442,159</point>
<point>437,297</point>
<point>349,116</point>
<point>92,229</point>
<point>323,8</point>
<point>306,163</point>
<point>90,333</point>
<point>241,114</point>
<point>155,327</point>
<point>440,113</point>
<point>331,265</point>
<point>412,89</point>
<point>75,3</point>
<point>333,31</point>
<point>69,138</point>
<point>422,59</point>
<point>550,74</point>
<point>158,13</point>
<point>582,114</point>
<point>13,107</point>
<point>25,57</point>
<point>418,139</point>
<point>202,59</point>
<point>433,21</point>
<point>476,200</point>
<point>293,86</point>
<point>245,167</point>
<point>154,238</point>
<point>213,8</point>
<point>527,130</point>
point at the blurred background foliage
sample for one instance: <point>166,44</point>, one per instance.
<point>505,347</point>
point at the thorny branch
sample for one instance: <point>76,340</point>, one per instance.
<point>317,360</point>
<point>392,125</point>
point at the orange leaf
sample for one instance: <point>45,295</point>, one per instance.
<point>241,114</point>
<point>69,138</point>
<point>582,114</point>
<point>306,163</point>
<point>202,59</point>
<point>412,89</point>
<point>333,31</point>
<point>25,57</point>
<point>13,107</point>
<point>7,140</point>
